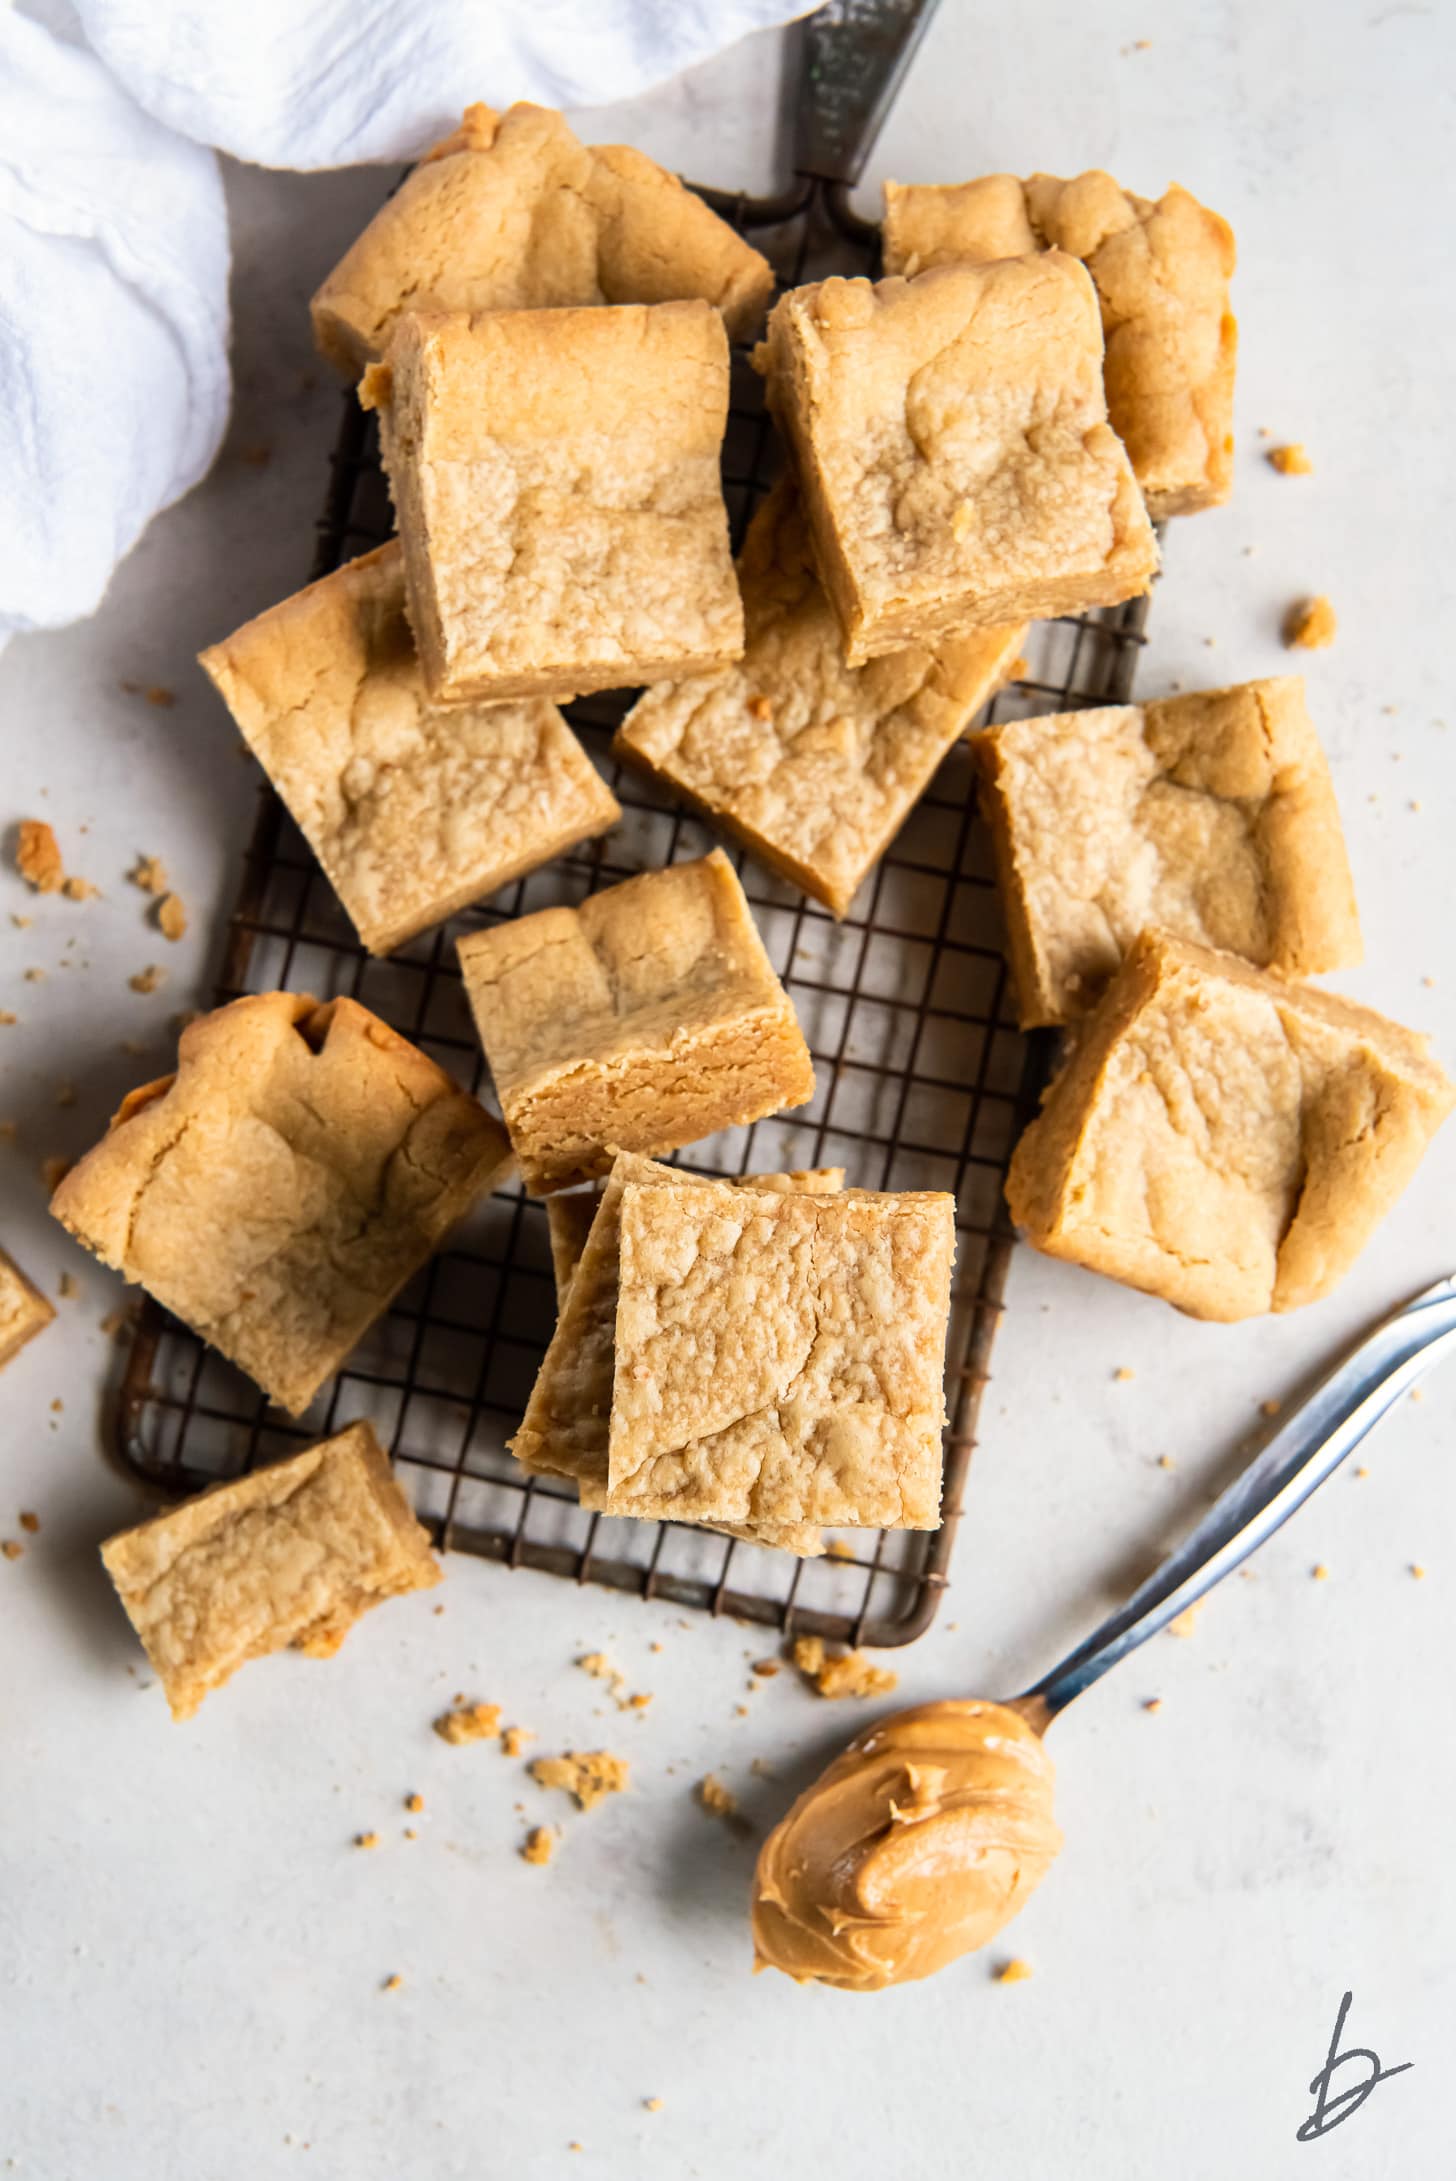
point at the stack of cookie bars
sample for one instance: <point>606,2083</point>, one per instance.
<point>979,440</point>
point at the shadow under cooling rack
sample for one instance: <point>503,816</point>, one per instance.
<point>923,1083</point>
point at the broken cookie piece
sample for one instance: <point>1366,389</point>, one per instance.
<point>588,1775</point>
<point>1224,1139</point>
<point>279,1189</point>
<point>24,1311</point>
<point>287,1556</point>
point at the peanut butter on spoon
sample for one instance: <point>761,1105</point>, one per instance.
<point>934,1827</point>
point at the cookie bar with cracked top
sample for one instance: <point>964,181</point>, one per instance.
<point>555,478</point>
<point>951,438</point>
<point>814,765</point>
<point>1210,816</point>
<point>1224,1139</point>
<point>513,212</point>
<point>643,1020</point>
<point>414,811</point>
<point>24,1311</point>
<point>780,1359</point>
<point>286,1557</point>
<point>1162,273</point>
<point>564,1431</point>
<point>278,1191</point>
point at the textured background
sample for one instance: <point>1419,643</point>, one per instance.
<point>190,1950</point>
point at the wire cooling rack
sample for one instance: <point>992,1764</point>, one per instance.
<point>923,1082</point>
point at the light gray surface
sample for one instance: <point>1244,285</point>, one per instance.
<point>191,1951</point>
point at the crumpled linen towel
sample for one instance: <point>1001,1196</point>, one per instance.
<point>327,83</point>
<point>113,324</point>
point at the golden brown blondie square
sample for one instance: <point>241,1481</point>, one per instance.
<point>813,764</point>
<point>1162,272</point>
<point>278,1191</point>
<point>780,1358</point>
<point>951,438</point>
<point>1224,1139</point>
<point>513,212</point>
<point>555,478</point>
<point>413,810</point>
<point>287,1556</point>
<point>641,1021</point>
<point>1210,816</point>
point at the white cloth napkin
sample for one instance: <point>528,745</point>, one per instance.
<point>326,83</point>
<point>113,324</point>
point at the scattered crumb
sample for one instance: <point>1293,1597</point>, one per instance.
<point>469,1723</point>
<point>31,1523</point>
<point>716,1798</point>
<point>1417,1393</point>
<point>1015,1971</point>
<point>765,1668</point>
<point>1166,1461</point>
<point>836,1549</point>
<point>760,707</point>
<point>1182,1623</point>
<point>1290,461</point>
<point>1123,1375</point>
<point>539,1845</point>
<point>1320,1572</point>
<point>35,976</point>
<point>150,873</point>
<point>147,980</point>
<point>1417,1570</point>
<point>11,1547</point>
<point>116,1322</point>
<point>1152,1703</point>
<point>740,1711</point>
<point>54,1171</point>
<point>652,2105</point>
<point>658,1646</point>
<point>38,857</point>
<point>80,889</point>
<point>391,1984</point>
<point>161,696</point>
<point>589,1775</point>
<point>573,2146</point>
<point>366,1840</point>
<point>601,1668</point>
<point>1428,982</point>
<point>410,1833</point>
<point>57,1405</point>
<point>850,1673</point>
<point>1272,1406</point>
<point>1310,625</point>
<point>1211,642</point>
<point>414,1804</point>
<point>514,1740</point>
<point>762,1769</point>
<point>7,1017</point>
<point>21,923</point>
<point>171,917</point>
<point>1414,804</point>
<point>67,1286</point>
<point>1362,1471</point>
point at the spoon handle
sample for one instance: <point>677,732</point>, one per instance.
<point>1348,1402</point>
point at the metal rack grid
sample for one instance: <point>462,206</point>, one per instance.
<point>924,1081</point>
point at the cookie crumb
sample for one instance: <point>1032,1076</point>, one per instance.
<point>150,873</point>
<point>38,857</point>
<point>836,1549</point>
<point>1272,1406</point>
<point>514,1740</point>
<point>171,917</point>
<point>161,696</point>
<point>765,1668</point>
<point>1290,461</point>
<point>31,1523</point>
<point>11,1547</point>
<point>35,976</point>
<point>1166,1461</point>
<point>1152,1703</point>
<point>1362,1471</point>
<point>1310,625</point>
<point>849,1674</point>
<point>468,1723</point>
<point>391,1983</point>
<point>588,1775</point>
<point>1320,1572</point>
<point>718,1799</point>
<point>414,1804</point>
<point>54,1171</point>
<point>539,1845</point>
<point>366,1840</point>
<point>1015,1971</point>
<point>7,1017</point>
<point>1182,1624</point>
<point>68,1286</point>
<point>1123,1375</point>
<point>1416,1568</point>
<point>80,889</point>
<point>652,2105</point>
<point>148,979</point>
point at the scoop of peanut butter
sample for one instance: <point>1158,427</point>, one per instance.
<point>915,1847</point>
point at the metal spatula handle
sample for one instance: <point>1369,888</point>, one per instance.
<point>856,53</point>
<point>1346,1405</point>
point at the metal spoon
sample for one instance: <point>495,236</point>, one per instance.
<point>930,1831</point>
